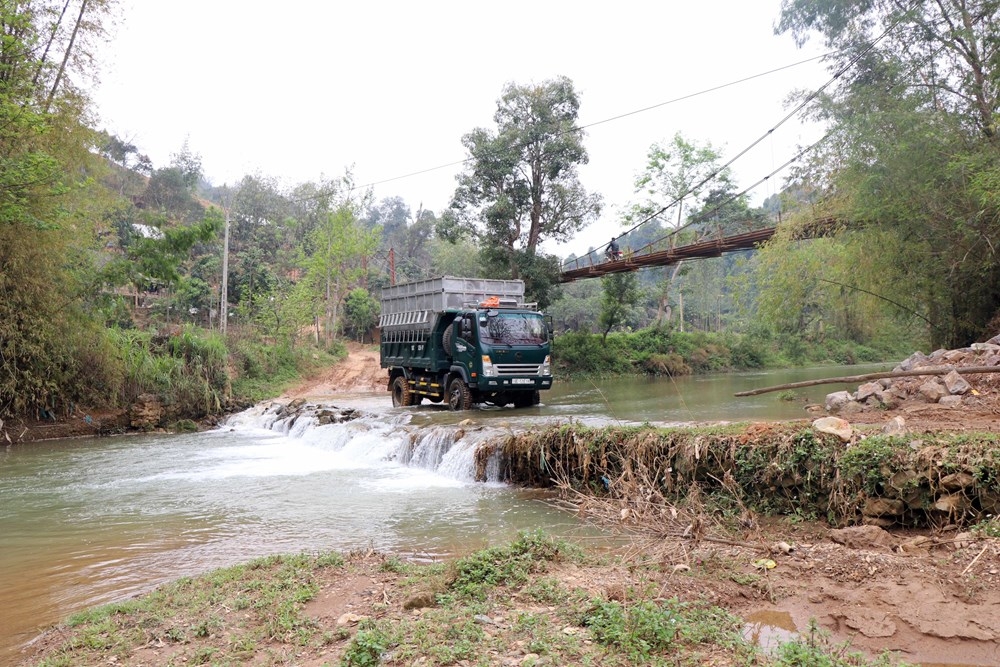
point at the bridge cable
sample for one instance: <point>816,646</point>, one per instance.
<point>809,99</point>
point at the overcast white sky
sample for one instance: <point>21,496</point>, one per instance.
<point>302,89</point>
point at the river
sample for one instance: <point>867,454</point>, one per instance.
<point>90,521</point>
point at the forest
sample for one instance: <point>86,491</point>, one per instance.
<point>120,278</point>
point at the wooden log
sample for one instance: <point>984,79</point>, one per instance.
<point>970,370</point>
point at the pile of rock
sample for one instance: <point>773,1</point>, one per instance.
<point>946,385</point>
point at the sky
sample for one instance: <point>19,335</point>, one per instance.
<point>302,90</point>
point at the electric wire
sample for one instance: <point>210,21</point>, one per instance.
<point>581,128</point>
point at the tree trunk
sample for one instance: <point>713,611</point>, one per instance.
<point>69,50</point>
<point>48,45</point>
<point>970,370</point>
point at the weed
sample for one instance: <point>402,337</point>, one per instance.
<point>507,565</point>
<point>393,564</point>
<point>638,630</point>
<point>816,650</point>
<point>988,527</point>
<point>546,589</point>
<point>366,649</point>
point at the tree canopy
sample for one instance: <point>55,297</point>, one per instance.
<point>521,185</point>
<point>912,160</point>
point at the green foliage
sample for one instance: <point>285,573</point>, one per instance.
<point>585,354</point>
<point>521,185</point>
<point>577,307</point>
<point>361,312</point>
<point>988,527</point>
<point>621,294</point>
<point>671,364</point>
<point>366,649</point>
<point>868,461</point>
<point>815,650</point>
<point>263,368</point>
<point>510,565</point>
<point>908,168</point>
<point>644,628</point>
<point>653,351</point>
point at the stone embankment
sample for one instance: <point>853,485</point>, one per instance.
<point>952,389</point>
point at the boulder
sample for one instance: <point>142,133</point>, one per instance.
<point>837,400</point>
<point>862,537</point>
<point>956,384</point>
<point>834,426</point>
<point>957,481</point>
<point>912,361</point>
<point>851,408</point>
<point>956,356</point>
<point>932,391</point>
<point>876,507</point>
<point>950,401</point>
<point>895,426</point>
<point>866,390</point>
<point>951,503</point>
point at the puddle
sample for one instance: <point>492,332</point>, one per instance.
<point>767,628</point>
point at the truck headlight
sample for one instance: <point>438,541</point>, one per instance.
<point>547,365</point>
<point>488,369</point>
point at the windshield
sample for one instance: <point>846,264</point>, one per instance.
<point>514,329</point>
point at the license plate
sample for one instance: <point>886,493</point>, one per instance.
<point>522,381</point>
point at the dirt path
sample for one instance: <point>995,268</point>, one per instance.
<point>358,372</point>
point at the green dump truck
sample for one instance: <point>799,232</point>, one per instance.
<point>464,341</point>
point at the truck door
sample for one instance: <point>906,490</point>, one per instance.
<point>466,350</point>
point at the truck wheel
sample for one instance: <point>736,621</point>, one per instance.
<point>446,338</point>
<point>401,396</point>
<point>527,399</point>
<point>459,395</point>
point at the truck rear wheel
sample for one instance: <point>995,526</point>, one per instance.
<point>459,395</point>
<point>401,396</point>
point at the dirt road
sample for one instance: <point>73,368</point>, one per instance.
<point>359,372</point>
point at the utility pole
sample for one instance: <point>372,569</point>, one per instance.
<point>224,301</point>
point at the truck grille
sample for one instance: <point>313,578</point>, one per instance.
<point>518,369</point>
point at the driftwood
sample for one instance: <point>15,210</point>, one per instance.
<point>872,376</point>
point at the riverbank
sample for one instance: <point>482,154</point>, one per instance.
<point>696,544</point>
<point>661,600</point>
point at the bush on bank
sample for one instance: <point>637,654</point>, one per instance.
<point>913,480</point>
<point>664,351</point>
<point>198,372</point>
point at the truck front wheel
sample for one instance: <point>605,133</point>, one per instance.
<point>401,396</point>
<point>527,399</point>
<point>459,395</point>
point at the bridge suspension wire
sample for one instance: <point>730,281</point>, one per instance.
<point>808,100</point>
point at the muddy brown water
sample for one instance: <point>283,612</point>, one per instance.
<point>91,521</point>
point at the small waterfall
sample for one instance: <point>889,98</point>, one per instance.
<point>365,440</point>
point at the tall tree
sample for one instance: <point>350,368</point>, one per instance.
<point>913,148</point>
<point>621,294</point>
<point>677,176</point>
<point>521,185</point>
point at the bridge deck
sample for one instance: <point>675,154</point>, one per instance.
<point>634,262</point>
